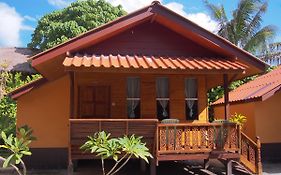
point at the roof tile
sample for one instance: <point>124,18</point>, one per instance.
<point>155,62</point>
<point>255,89</point>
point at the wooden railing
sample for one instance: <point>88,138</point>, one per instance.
<point>80,129</point>
<point>250,154</point>
<point>197,138</point>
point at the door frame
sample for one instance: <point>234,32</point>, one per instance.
<point>93,85</point>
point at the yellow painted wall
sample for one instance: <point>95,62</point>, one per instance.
<point>247,109</point>
<point>46,111</point>
<point>268,119</point>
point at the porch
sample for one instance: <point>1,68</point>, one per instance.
<point>173,142</point>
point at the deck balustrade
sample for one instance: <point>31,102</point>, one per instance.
<point>168,141</point>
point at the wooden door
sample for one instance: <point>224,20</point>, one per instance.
<point>94,102</point>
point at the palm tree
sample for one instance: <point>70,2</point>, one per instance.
<point>245,28</point>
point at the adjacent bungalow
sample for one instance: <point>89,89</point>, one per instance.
<point>16,59</point>
<point>126,76</point>
<point>259,100</point>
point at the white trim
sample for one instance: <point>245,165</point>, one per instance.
<point>167,99</point>
<point>194,99</point>
<point>133,99</point>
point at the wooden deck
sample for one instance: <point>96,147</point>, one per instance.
<point>168,142</point>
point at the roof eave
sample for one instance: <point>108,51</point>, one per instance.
<point>18,92</point>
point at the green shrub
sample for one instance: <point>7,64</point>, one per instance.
<point>120,149</point>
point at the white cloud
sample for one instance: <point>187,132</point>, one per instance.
<point>201,19</point>
<point>30,18</point>
<point>204,21</point>
<point>60,3</point>
<point>11,24</point>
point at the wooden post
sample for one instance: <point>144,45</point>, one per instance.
<point>71,112</point>
<point>71,74</point>
<point>229,167</point>
<point>142,165</point>
<point>152,167</point>
<point>258,156</point>
<point>226,96</point>
<point>70,168</point>
<point>206,163</point>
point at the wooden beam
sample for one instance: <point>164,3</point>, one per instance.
<point>152,167</point>
<point>226,96</point>
<point>206,163</point>
<point>71,75</point>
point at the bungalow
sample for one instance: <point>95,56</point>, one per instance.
<point>124,77</point>
<point>259,100</point>
<point>16,59</point>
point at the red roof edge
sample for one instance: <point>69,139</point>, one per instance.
<point>15,94</point>
<point>216,103</point>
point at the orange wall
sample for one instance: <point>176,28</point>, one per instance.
<point>247,109</point>
<point>46,111</point>
<point>268,119</point>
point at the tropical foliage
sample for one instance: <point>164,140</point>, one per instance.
<point>17,147</point>
<point>245,28</point>
<point>8,107</point>
<point>81,16</point>
<point>120,149</point>
<point>239,119</point>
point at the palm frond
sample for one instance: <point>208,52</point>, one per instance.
<point>255,23</point>
<point>243,16</point>
<point>219,15</point>
<point>260,40</point>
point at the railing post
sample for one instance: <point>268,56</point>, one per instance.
<point>157,143</point>
<point>258,156</point>
<point>239,140</point>
<point>70,163</point>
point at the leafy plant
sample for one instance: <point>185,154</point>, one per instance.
<point>17,148</point>
<point>8,82</point>
<point>239,119</point>
<point>120,149</point>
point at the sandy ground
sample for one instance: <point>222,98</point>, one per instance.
<point>166,168</point>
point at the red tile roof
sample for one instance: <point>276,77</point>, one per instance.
<point>261,88</point>
<point>154,62</point>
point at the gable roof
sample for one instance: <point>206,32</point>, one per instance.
<point>154,12</point>
<point>261,88</point>
<point>17,59</point>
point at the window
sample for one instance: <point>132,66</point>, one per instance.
<point>191,99</point>
<point>133,97</point>
<point>162,100</point>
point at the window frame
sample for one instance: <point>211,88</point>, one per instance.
<point>133,98</point>
<point>195,99</point>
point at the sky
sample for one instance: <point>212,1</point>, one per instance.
<point>18,18</point>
